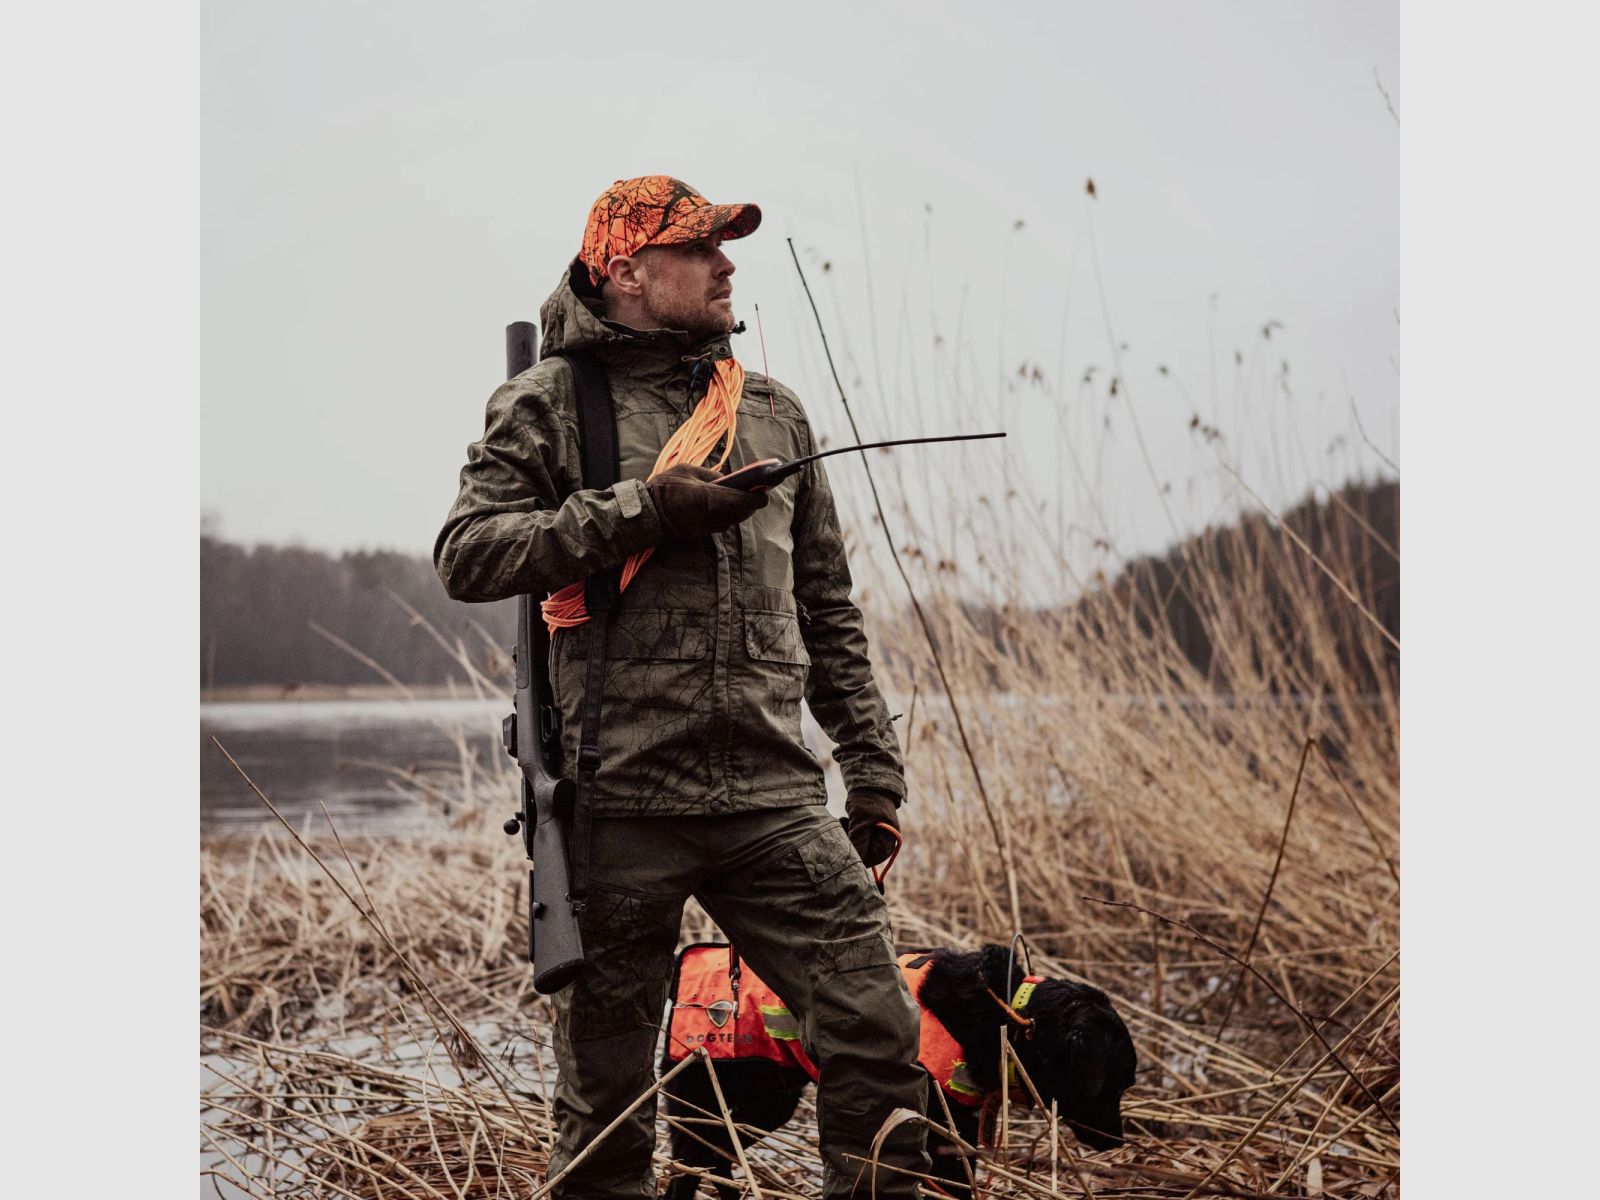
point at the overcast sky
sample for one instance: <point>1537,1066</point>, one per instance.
<point>386,185</point>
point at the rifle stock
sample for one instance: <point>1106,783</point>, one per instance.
<point>532,736</point>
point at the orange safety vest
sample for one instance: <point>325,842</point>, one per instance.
<point>705,1013</point>
<point>939,1052</point>
<point>760,1025</point>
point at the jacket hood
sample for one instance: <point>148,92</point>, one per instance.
<point>571,320</point>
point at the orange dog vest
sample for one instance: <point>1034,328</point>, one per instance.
<point>758,1024</point>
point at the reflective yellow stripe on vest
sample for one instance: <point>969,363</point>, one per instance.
<point>961,1081</point>
<point>780,1023</point>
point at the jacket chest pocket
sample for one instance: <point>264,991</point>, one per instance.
<point>674,635</point>
<point>651,634</point>
<point>656,710</point>
<point>774,637</point>
<point>657,681</point>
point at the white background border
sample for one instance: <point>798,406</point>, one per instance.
<point>100,479</point>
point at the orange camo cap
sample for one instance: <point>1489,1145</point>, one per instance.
<point>656,210</point>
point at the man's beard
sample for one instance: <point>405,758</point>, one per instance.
<point>697,320</point>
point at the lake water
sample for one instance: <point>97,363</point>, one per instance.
<point>365,758</point>
<point>359,757</point>
<point>362,758</point>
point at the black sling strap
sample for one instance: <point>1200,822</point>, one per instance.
<point>597,438</point>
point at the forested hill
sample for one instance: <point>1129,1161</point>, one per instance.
<point>1324,552</point>
<point>258,606</point>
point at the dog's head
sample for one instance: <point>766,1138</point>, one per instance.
<point>1079,1054</point>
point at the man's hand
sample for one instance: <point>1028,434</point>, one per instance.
<point>693,505</point>
<point>866,809</point>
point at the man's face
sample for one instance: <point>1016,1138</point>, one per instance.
<point>688,286</point>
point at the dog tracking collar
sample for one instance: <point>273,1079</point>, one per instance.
<point>1025,992</point>
<point>1019,1001</point>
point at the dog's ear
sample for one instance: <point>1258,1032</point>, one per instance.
<point>993,968</point>
<point>1086,1062</point>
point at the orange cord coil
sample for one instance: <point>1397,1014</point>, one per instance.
<point>715,416</point>
<point>878,876</point>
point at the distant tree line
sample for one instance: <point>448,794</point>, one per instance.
<point>259,606</point>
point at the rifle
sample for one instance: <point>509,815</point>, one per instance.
<point>532,736</point>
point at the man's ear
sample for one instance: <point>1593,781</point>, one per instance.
<point>622,273</point>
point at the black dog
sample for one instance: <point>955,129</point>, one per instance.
<point>1074,1047</point>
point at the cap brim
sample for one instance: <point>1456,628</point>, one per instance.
<point>730,220</point>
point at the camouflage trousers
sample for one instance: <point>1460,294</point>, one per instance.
<point>788,889</point>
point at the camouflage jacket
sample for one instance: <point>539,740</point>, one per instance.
<point>715,641</point>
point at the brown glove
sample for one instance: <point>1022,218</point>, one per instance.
<point>866,809</point>
<point>693,505</point>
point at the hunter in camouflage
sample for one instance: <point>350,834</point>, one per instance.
<point>705,785</point>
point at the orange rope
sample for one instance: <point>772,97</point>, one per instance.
<point>1025,1022</point>
<point>879,876</point>
<point>715,416</point>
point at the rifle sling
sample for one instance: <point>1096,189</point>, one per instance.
<point>597,439</point>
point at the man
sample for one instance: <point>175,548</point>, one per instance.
<point>741,608</point>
